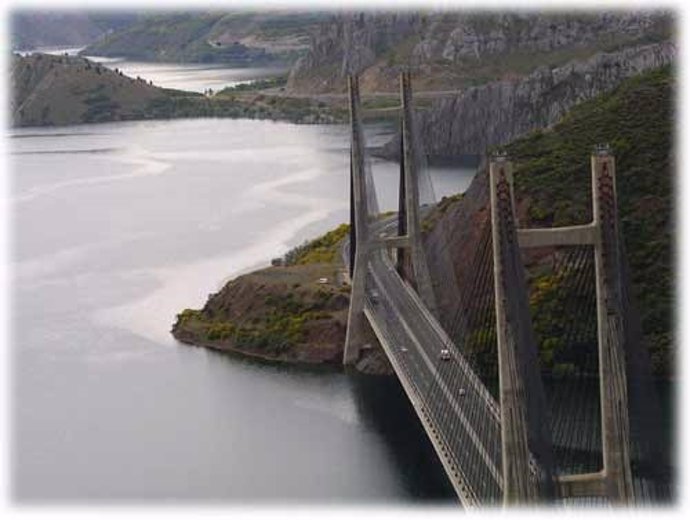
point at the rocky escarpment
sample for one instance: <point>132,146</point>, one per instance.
<point>496,113</point>
<point>477,36</point>
<point>451,50</point>
<point>347,43</point>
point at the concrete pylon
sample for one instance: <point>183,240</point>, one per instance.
<point>615,480</point>
<point>518,485</point>
<point>359,213</point>
<point>615,427</point>
<point>410,176</point>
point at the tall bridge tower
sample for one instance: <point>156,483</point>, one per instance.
<point>359,230</point>
<point>503,451</point>
<point>516,346</point>
<point>409,240</point>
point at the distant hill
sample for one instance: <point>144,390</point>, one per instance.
<point>59,90</point>
<point>31,29</point>
<point>236,37</point>
<point>64,90</point>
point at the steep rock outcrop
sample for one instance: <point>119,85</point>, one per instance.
<point>349,43</point>
<point>448,50</point>
<point>496,113</point>
<point>479,35</point>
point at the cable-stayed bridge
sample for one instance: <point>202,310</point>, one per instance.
<point>461,338</point>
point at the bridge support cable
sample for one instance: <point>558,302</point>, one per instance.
<point>564,318</point>
<point>467,328</point>
<point>461,263</point>
<point>566,333</point>
<point>525,431</point>
<point>650,444</point>
<point>473,325</point>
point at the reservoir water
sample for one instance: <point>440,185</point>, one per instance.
<point>194,77</point>
<point>115,229</point>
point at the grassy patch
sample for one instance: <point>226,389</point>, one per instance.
<point>325,249</point>
<point>259,84</point>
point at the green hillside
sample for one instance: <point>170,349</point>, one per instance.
<point>553,181</point>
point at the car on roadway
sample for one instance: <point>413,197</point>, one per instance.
<point>403,349</point>
<point>461,392</point>
<point>375,296</point>
<point>444,354</point>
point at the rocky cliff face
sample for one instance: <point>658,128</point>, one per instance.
<point>477,36</point>
<point>349,43</point>
<point>500,111</point>
<point>459,48</point>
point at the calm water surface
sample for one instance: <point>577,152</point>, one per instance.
<point>195,77</point>
<point>116,228</point>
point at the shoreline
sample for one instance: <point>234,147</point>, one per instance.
<point>262,358</point>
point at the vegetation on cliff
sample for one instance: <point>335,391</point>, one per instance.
<point>324,249</point>
<point>552,178</point>
<point>259,84</point>
<point>553,188</point>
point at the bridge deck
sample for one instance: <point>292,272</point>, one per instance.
<point>459,414</point>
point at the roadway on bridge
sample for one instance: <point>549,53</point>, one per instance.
<point>457,408</point>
